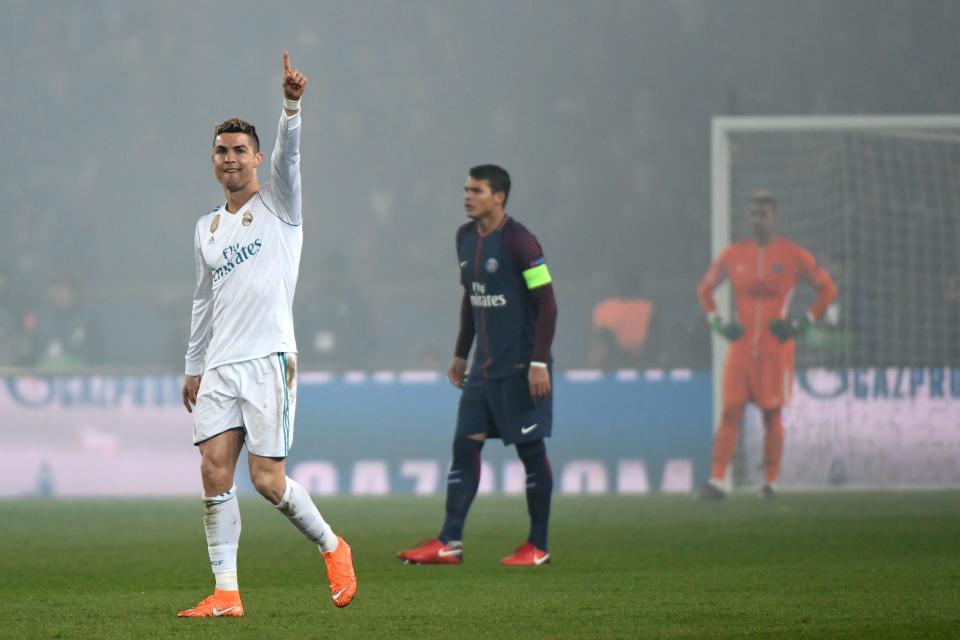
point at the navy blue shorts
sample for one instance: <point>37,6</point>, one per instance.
<point>502,408</point>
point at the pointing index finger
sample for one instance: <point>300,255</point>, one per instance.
<point>286,61</point>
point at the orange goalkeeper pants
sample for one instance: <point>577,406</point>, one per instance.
<point>767,382</point>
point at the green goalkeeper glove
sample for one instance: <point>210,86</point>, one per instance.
<point>730,330</point>
<point>789,328</point>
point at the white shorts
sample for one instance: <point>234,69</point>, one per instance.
<point>258,396</point>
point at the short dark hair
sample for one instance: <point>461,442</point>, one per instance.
<point>763,196</point>
<point>497,177</point>
<point>236,125</point>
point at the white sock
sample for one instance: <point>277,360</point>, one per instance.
<point>227,581</point>
<point>300,510</point>
<point>221,521</point>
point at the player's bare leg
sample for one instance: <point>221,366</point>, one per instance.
<point>772,451</point>
<point>221,523</point>
<point>292,500</point>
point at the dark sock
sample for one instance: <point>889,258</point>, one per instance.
<point>539,489</point>
<point>462,482</point>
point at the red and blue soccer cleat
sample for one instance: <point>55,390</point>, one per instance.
<point>526,555</point>
<point>432,552</point>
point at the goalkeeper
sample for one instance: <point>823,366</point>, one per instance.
<point>763,273</point>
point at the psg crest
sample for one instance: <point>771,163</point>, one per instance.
<point>215,223</point>
<point>247,219</point>
<point>491,265</point>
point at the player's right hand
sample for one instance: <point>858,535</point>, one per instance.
<point>457,373</point>
<point>191,385</point>
<point>731,331</point>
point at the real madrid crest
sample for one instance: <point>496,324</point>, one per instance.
<point>215,223</point>
<point>247,219</point>
<point>491,265</point>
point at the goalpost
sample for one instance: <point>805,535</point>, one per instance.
<point>876,199</point>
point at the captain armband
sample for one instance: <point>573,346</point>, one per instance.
<point>537,275</point>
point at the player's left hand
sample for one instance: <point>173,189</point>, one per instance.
<point>789,328</point>
<point>294,82</point>
<point>539,378</point>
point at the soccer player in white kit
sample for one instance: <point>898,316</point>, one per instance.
<point>240,380</point>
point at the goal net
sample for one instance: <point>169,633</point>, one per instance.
<point>877,201</point>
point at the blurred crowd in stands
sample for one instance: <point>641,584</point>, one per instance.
<point>601,114</point>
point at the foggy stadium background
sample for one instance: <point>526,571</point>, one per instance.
<point>600,111</point>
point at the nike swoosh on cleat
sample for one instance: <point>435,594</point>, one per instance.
<point>463,264</point>
<point>451,552</point>
<point>337,595</point>
<point>538,561</point>
<point>220,612</point>
<point>526,430</point>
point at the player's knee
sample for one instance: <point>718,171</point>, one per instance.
<point>732,414</point>
<point>269,486</point>
<point>771,418</point>
<point>531,451</point>
<point>217,477</point>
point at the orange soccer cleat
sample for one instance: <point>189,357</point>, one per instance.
<point>340,573</point>
<point>526,555</point>
<point>432,552</point>
<point>222,604</point>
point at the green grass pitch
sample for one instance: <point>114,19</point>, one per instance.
<point>843,565</point>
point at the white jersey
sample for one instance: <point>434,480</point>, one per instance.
<point>247,265</point>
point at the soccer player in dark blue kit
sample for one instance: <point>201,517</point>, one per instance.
<point>509,307</point>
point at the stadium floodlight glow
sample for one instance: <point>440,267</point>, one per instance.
<point>877,200</point>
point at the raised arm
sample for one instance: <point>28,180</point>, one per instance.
<point>285,159</point>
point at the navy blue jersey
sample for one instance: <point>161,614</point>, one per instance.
<point>499,271</point>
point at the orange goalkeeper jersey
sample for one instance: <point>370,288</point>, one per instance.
<point>763,280</point>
